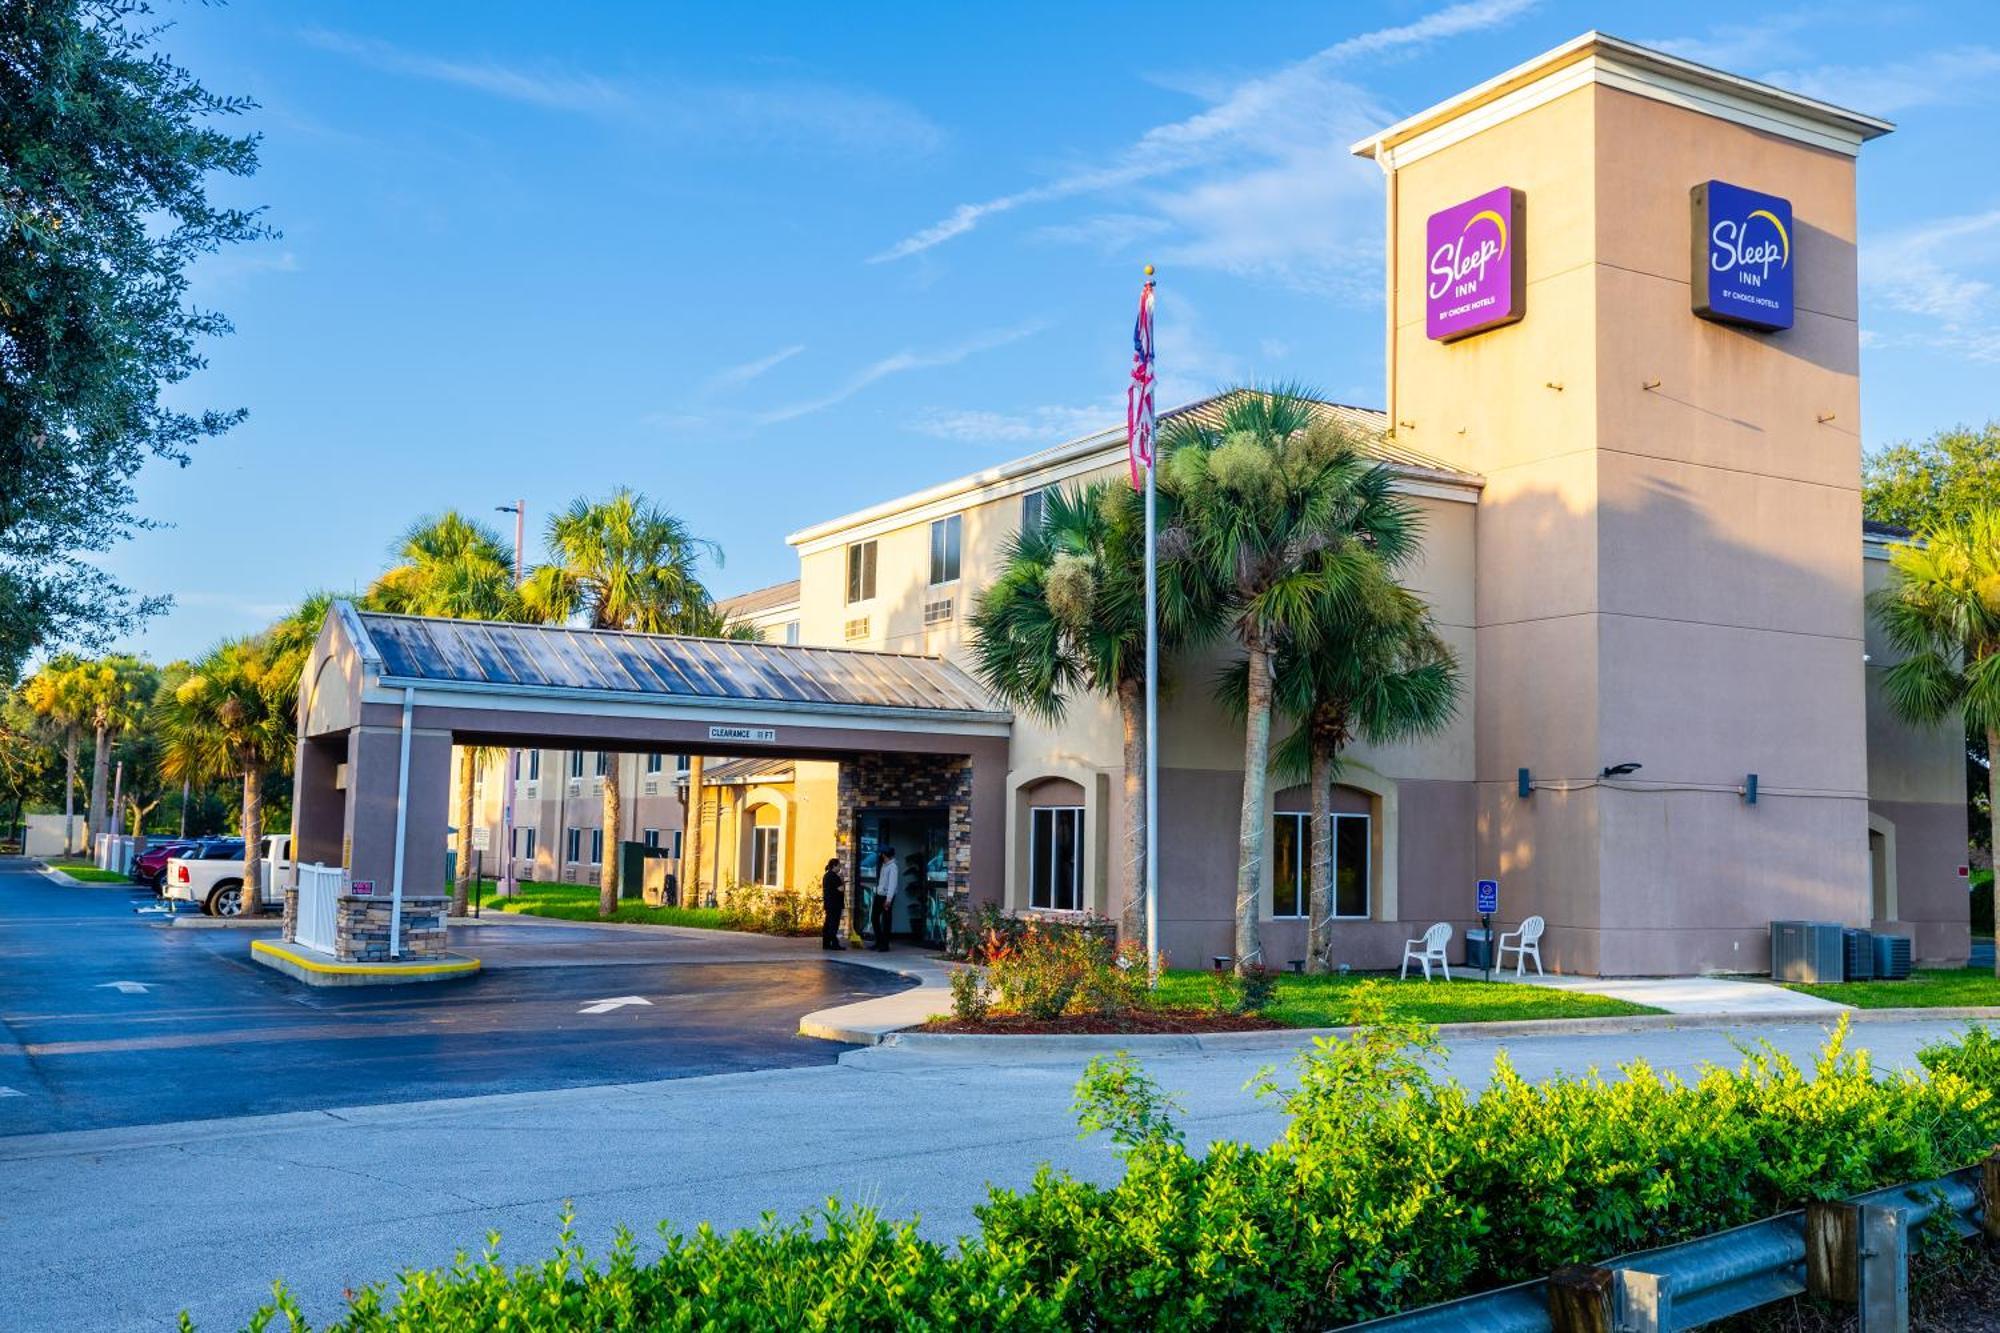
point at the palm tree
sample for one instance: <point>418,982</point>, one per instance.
<point>1279,511</point>
<point>57,696</point>
<point>1067,613</point>
<point>622,563</point>
<point>451,565</point>
<point>114,690</point>
<point>1369,667</point>
<point>1941,610</point>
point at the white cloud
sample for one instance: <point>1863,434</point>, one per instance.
<point>900,363</point>
<point>796,112</point>
<point>1287,126</point>
<point>1041,427</point>
<point>1740,46</point>
<point>1944,77</point>
<point>1106,231</point>
<point>736,376</point>
<point>1941,274</point>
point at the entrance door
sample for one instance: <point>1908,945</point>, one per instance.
<point>918,840</point>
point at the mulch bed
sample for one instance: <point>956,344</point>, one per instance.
<point>1163,1021</point>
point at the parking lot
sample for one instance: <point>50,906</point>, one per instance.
<point>108,1018</point>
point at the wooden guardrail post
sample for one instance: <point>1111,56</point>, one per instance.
<point>1859,1255</point>
<point>1580,1299</point>
<point>1833,1251</point>
<point>1989,1192</point>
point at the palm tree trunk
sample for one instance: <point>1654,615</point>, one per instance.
<point>1993,806</point>
<point>1320,897</point>
<point>691,835</point>
<point>100,821</point>
<point>1256,796</point>
<point>607,871</point>
<point>253,841</point>
<point>1132,879</point>
<point>69,791</point>
<point>461,889</point>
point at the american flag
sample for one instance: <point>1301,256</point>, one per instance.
<point>1139,396</point>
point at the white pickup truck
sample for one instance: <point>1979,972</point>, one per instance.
<point>217,886</point>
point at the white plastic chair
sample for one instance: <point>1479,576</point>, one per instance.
<point>1527,944</point>
<point>1428,950</point>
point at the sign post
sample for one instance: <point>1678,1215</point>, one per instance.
<point>1489,907</point>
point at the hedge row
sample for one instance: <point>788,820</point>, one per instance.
<point>1390,1188</point>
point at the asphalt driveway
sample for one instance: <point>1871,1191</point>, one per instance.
<point>108,1018</point>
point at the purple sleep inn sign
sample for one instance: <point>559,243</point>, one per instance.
<point>1474,277</point>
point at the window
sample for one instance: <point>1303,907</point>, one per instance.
<point>576,763</point>
<point>534,765</point>
<point>1034,507</point>
<point>524,843</point>
<point>861,571</point>
<point>573,846</point>
<point>603,761</point>
<point>1055,858</point>
<point>597,846</point>
<point>651,837</point>
<point>945,535</point>
<point>653,762</point>
<point>1291,874</point>
<point>681,764</point>
<point>517,765</point>
<point>677,844</point>
<point>792,633</point>
<point>764,856</point>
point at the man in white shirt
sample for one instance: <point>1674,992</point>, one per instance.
<point>888,879</point>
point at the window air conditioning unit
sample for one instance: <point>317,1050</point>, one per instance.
<point>856,629</point>
<point>650,787</point>
<point>1892,958</point>
<point>1857,955</point>
<point>576,786</point>
<point>532,791</point>
<point>1808,951</point>
<point>938,612</point>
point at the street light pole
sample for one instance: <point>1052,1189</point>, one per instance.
<point>505,888</point>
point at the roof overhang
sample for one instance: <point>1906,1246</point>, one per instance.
<point>1600,58</point>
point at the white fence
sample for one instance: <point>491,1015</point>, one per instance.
<point>319,894</point>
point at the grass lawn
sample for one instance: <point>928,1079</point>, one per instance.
<point>1327,1001</point>
<point>1929,988</point>
<point>578,902</point>
<point>78,868</point>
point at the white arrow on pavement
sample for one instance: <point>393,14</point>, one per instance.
<point>606,1006</point>
<point>126,987</point>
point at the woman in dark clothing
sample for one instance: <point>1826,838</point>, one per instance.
<point>833,898</point>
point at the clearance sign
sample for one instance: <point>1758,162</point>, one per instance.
<point>1474,277</point>
<point>1742,261</point>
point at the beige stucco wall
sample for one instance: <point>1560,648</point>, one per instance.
<point>1667,566</point>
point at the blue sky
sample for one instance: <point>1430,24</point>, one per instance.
<point>771,263</point>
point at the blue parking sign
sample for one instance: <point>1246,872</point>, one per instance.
<point>1489,897</point>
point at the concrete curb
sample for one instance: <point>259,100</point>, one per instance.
<point>974,1046</point>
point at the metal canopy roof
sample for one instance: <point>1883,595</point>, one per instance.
<point>490,655</point>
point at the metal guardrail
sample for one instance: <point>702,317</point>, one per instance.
<point>1696,1282</point>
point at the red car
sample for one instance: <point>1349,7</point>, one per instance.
<point>150,868</point>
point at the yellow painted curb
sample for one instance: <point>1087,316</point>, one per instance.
<point>277,950</point>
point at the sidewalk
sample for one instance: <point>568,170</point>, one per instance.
<point>1733,997</point>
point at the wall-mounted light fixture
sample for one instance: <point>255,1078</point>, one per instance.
<point>1524,785</point>
<point>1620,770</point>
<point>1750,789</point>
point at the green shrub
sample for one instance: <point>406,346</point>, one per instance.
<point>1982,903</point>
<point>971,995</point>
<point>1390,1188</point>
<point>1047,972</point>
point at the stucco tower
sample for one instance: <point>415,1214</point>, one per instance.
<point>1669,563</point>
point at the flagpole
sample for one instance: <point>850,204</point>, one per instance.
<point>1152,709</point>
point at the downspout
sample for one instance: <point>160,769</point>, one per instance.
<point>402,820</point>
<point>1382,159</point>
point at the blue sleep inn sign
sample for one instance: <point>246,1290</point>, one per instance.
<point>1742,270</point>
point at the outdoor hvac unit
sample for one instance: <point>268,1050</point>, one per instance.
<point>1806,951</point>
<point>1857,955</point>
<point>1892,958</point>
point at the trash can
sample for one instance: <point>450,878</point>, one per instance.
<point>1478,949</point>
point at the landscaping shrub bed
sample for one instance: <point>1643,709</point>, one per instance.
<point>1140,1022</point>
<point>1390,1188</point>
